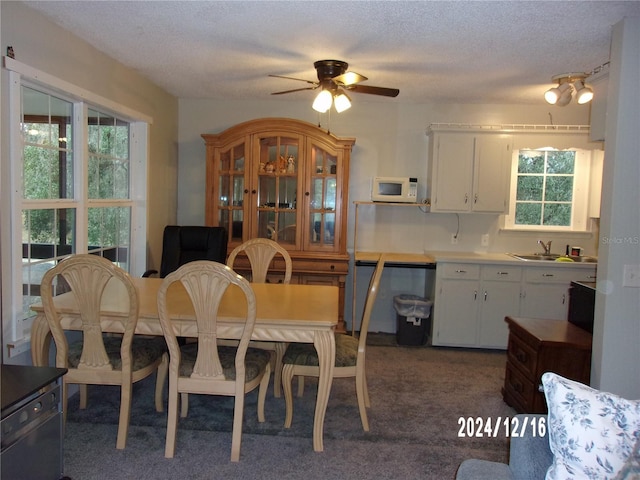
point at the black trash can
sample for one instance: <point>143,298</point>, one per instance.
<point>413,319</point>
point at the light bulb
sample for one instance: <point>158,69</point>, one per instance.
<point>341,102</point>
<point>583,93</point>
<point>322,103</point>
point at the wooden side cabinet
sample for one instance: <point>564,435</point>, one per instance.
<point>286,180</point>
<point>537,346</point>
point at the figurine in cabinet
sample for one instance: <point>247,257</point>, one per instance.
<point>291,164</point>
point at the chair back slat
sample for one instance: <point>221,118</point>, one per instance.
<point>88,277</point>
<point>372,294</point>
<point>261,252</point>
<point>206,283</point>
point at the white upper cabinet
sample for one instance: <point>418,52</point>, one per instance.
<point>469,171</point>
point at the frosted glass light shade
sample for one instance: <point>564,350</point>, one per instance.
<point>322,103</point>
<point>341,102</point>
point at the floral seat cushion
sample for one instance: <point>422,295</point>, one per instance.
<point>255,361</point>
<point>144,351</point>
<point>305,353</point>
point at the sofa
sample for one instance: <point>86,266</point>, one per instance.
<point>587,434</point>
<point>529,455</point>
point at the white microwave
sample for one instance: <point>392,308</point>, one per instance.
<point>394,189</point>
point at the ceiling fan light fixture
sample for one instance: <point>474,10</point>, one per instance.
<point>323,101</point>
<point>341,102</point>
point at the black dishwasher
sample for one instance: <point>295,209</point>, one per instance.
<point>582,300</point>
<point>31,425</point>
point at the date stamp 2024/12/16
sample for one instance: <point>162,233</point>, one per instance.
<point>489,427</point>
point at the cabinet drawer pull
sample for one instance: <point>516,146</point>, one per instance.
<point>548,275</point>
<point>461,271</point>
<point>503,273</point>
<point>517,387</point>
<point>522,357</point>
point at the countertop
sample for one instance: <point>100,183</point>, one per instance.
<point>435,256</point>
<point>20,381</point>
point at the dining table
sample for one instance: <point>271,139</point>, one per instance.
<point>285,313</point>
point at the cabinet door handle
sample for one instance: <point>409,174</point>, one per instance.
<point>485,295</point>
<point>564,298</point>
<point>466,198</point>
<point>475,198</point>
<point>517,387</point>
<point>475,294</point>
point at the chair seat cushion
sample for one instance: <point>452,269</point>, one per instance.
<point>144,351</point>
<point>255,361</point>
<point>305,353</point>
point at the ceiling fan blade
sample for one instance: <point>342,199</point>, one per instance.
<point>294,90</point>
<point>293,78</point>
<point>349,78</point>
<point>386,92</point>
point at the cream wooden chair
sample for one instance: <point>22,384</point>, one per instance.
<point>261,252</point>
<point>206,367</point>
<point>302,359</point>
<point>98,358</point>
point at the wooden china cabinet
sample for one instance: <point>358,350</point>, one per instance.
<point>286,180</point>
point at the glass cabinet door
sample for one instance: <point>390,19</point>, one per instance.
<point>231,191</point>
<point>323,201</point>
<point>277,187</point>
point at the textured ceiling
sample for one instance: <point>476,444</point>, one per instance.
<point>433,51</point>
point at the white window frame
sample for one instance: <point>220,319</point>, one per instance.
<point>16,330</point>
<point>580,198</point>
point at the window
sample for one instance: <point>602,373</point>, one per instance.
<point>76,170</point>
<point>549,190</point>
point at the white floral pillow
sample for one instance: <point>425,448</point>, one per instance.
<point>591,433</point>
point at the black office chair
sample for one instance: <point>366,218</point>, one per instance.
<point>184,244</point>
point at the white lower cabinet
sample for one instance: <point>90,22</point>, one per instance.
<point>471,303</point>
<point>545,290</point>
<point>471,299</point>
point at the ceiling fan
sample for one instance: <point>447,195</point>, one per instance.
<point>334,80</point>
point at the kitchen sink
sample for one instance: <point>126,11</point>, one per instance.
<point>541,257</point>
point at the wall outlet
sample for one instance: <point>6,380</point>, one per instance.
<point>484,240</point>
<point>454,239</point>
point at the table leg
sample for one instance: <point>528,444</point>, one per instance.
<point>325,344</point>
<point>40,340</point>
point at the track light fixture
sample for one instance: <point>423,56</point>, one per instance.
<point>567,84</point>
<point>326,97</point>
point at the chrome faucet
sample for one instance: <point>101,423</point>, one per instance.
<point>546,247</point>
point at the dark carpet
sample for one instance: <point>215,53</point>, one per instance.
<point>418,397</point>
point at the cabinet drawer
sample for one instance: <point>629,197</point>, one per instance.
<point>519,389</point>
<point>522,356</point>
<point>459,270</point>
<point>502,273</point>
<point>558,275</point>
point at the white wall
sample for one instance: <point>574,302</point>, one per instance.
<point>390,140</point>
<point>616,335</point>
